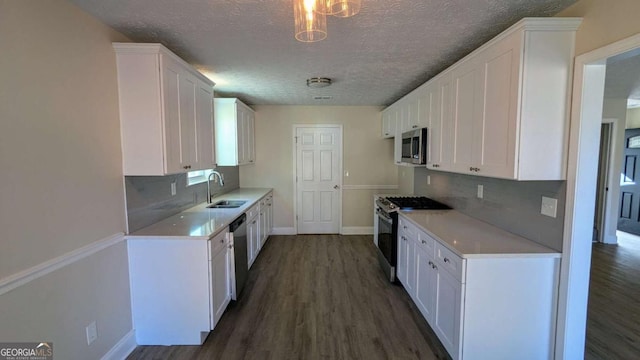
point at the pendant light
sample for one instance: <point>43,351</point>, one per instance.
<point>310,20</point>
<point>344,8</point>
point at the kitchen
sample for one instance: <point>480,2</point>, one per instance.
<point>71,161</point>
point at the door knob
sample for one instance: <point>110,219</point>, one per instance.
<point>337,187</point>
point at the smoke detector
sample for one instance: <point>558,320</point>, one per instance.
<point>318,82</point>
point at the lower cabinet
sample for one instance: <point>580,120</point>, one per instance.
<point>482,306</point>
<point>220,267</point>
<point>179,288</point>
<point>253,239</point>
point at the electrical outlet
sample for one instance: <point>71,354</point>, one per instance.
<point>92,333</point>
<point>173,188</point>
<point>428,179</point>
<point>480,191</point>
<point>549,206</point>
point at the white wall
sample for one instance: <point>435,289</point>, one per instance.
<point>633,118</point>
<point>62,186</point>
<point>367,157</point>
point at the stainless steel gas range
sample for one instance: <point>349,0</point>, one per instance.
<point>387,224</point>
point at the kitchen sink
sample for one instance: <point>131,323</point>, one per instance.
<point>227,204</point>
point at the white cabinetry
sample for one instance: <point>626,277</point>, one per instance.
<point>166,112</point>
<point>253,234</point>
<point>220,266</point>
<point>512,297</point>
<point>179,288</point>
<point>503,109</point>
<point>235,138</point>
<point>266,218</point>
<point>389,121</point>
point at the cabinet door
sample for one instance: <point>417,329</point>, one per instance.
<point>204,127</point>
<point>467,100</point>
<point>413,110</point>
<point>252,240</point>
<point>425,106</point>
<point>440,145</point>
<point>401,267</point>
<point>425,289</point>
<point>221,287</point>
<point>446,322</point>
<point>171,104</point>
<point>389,122</point>
<point>270,212</point>
<point>250,136</point>
<point>495,151</point>
<point>241,122</point>
<point>188,143</point>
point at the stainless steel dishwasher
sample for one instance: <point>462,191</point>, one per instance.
<point>238,243</point>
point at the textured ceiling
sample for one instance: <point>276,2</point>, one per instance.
<point>247,46</point>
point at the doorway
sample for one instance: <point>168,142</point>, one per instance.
<point>318,178</point>
<point>586,117</point>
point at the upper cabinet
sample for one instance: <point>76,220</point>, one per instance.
<point>166,112</point>
<point>234,128</point>
<point>389,121</point>
<point>502,111</point>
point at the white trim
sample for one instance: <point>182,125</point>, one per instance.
<point>370,187</point>
<point>283,231</point>
<point>123,348</point>
<point>581,173</point>
<point>23,277</point>
<point>357,230</point>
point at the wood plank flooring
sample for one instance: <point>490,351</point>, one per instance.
<point>315,297</point>
<point>613,315</point>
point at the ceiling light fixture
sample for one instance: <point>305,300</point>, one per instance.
<point>310,23</point>
<point>310,16</point>
<point>318,82</point>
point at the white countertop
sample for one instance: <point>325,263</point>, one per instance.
<point>472,238</point>
<point>199,222</point>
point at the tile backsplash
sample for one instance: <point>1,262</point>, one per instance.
<point>149,198</point>
<point>511,205</point>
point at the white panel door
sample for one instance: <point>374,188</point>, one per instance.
<point>318,179</point>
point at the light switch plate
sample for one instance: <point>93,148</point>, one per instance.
<point>428,179</point>
<point>173,188</point>
<point>480,191</point>
<point>92,332</point>
<point>549,206</point>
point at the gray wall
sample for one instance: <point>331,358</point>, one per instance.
<point>511,205</point>
<point>149,198</point>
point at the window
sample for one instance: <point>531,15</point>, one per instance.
<point>197,177</point>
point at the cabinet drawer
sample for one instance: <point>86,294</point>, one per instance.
<point>407,229</point>
<point>452,263</point>
<point>253,211</point>
<point>427,243</point>
<point>216,243</point>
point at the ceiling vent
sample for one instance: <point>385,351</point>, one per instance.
<point>318,82</point>
<point>323,97</point>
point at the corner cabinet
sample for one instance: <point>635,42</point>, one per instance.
<point>166,112</point>
<point>234,128</point>
<point>179,288</point>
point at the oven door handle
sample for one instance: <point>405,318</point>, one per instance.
<point>384,217</point>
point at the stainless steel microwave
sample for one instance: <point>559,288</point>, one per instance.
<point>414,146</point>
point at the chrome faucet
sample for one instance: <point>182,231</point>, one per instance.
<point>221,180</point>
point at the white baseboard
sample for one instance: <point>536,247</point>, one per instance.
<point>23,277</point>
<point>357,230</point>
<point>123,348</point>
<point>283,231</point>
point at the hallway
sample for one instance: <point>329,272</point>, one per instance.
<point>613,318</point>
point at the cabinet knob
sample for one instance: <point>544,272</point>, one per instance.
<point>431,263</point>
<point>414,126</point>
<point>385,134</point>
<point>424,242</point>
<point>221,240</point>
<point>404,227</point>
<point>447,260</point>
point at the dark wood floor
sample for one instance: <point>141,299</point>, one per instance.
<point>315,297</point>
<point>613,320</point>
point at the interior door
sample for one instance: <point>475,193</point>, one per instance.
<point>318,179</point>
<point>629,215</point>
